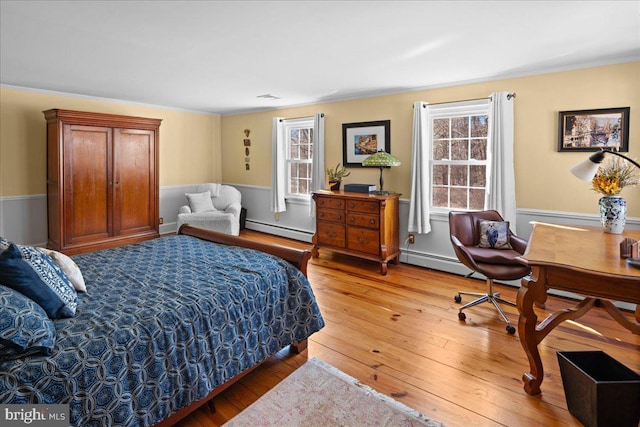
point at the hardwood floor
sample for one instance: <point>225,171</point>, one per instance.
<point>400,334</point>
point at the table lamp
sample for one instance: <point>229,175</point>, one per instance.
<point>587,169</point>
<point>381,159</point>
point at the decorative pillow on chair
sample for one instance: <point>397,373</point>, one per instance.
<point>200,202</point>
<point>34,274</point>
<point>25,328</point>
<point>69,267</point>
<point>494,235</point>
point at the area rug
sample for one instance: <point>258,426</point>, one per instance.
<point>317,394</point>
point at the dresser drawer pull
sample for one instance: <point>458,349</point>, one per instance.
<point>339,216</point>
<point>372,221</point>
<point>372,208</point>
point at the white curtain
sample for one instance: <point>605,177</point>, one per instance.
<point>317,162</point>
<point>501,194</point>
<point>420,176</point>
<point>278,173</point>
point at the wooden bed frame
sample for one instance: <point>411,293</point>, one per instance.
<point>297,257</point>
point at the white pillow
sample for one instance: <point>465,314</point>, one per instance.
<point>69,267</point>
<point>200,202</point>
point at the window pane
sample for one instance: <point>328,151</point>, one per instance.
<point>460,127</point>
<point>303,186</point>
<point>479,126</point>
<point>440,197</point>
<point>460,149</point>
<point>440,128</point>
<point>477,176</point>
<point>441,150</point>
<point>294,152</point>
<point>459,175</point>
<point>440,175</point>
<point>479,149</point>
<point>476,199</point>
<point>459,198</point>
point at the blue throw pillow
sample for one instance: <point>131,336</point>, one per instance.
<point>36,275</point>
<point>25,328</point>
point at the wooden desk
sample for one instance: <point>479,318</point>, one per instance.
<point>583,260</point>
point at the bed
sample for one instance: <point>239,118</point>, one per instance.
<point>165,325</point>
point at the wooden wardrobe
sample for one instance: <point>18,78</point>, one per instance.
<point>102,180</point>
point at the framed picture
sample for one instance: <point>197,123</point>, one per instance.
<point>592,130</point>
<point>360,140</point>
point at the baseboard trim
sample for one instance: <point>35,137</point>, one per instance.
<point>291,233</point>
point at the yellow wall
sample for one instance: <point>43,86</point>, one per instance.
<point>543,180</point>
<point>193,145</point>
<point>189,142</point>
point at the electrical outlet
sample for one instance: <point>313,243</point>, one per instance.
<point>161,220</point>
<point>412,239</point>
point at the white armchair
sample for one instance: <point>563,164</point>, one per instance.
<point>218,210</point>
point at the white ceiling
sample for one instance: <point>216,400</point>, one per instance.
<point>219,56</point>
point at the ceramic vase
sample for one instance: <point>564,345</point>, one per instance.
<point>613,214</point>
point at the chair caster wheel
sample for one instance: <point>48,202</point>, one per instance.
<point>457,298</point>
<point>462,316</point>
<point>511,330</point>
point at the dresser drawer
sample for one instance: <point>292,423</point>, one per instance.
<point>330,215</point>
<point>329,203</point>
<point>363,206</point>
<point>363,240</point>
<point>362,220</point>
<point>330,234</point>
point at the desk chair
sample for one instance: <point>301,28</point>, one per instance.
<point>484,243</point>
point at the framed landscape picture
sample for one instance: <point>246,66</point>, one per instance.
<point>360,140</point>
<point>592,130</point>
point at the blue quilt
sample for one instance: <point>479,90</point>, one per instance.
<point>163,323</point>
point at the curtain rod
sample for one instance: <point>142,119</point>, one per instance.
<point>303,117</point>
<point>510,96</point>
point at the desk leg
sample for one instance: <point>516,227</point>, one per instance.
<point>532,291</point>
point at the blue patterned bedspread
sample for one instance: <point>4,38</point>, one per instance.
<point>163,323</point>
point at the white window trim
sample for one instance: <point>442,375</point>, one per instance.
<point>289,124</point>
<point>453,109</point>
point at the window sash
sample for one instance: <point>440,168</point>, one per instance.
<point>447,192</point>
<point>297,153</point>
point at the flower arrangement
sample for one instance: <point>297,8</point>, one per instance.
<point>613,175</point>
<point>337,173</point>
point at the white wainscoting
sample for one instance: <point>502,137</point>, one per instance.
<point>23,219</point>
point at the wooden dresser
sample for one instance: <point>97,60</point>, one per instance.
<point>102,180</point>
<point>358,224</point>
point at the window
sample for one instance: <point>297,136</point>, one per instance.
<point>299,155</point>
<point>459,155</point>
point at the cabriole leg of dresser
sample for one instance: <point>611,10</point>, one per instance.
<point>383,268</point>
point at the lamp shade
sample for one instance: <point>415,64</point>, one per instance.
<point>381,159</point>
<point>587,169</point>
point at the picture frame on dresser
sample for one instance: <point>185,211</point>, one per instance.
<point>362,139</point>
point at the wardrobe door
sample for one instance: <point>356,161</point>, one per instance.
<point>135,182</point>
<point>87,183</point>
